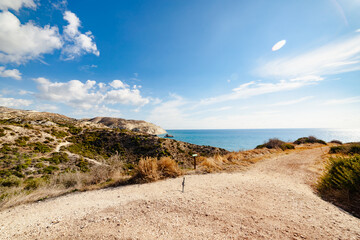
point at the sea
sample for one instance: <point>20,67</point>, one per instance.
<point>245,139</point>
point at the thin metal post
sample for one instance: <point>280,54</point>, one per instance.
<point>183,184</point>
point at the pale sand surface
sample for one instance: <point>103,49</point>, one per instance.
<point>271,200</point>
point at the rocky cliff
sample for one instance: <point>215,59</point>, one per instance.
<point>132,125</point>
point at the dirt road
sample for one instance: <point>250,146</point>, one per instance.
<point>272,200</point>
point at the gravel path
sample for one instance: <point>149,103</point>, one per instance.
<point>272,200</point>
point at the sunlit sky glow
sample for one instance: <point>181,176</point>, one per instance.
<point>185,64</point>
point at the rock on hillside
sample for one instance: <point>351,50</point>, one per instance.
<point>132,125</point>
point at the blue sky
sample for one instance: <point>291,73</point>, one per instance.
<point>185,64</point>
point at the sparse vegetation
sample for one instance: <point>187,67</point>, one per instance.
<point>351,148</point>
<point>310,139</point>
<point>150,169</point>
<point>275,143</point>
<point>341,182</point>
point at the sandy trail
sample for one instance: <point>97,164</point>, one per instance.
<point>272,200</point>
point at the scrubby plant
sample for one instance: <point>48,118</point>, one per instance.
<point>50,169</point>
<point>74,130</point>
<point>83,165</point>
<point>40,147</point>
<point>58,134</point>
<point>348,149</point>
<point>336,142</point>
<point>310,139</point>
<point>168,167</point>
<point>32,183</point>
<point>2,132</point>
<point>11,181</point>
<point>147,169</point>
<point>342,174</point>
<point>274,143</point>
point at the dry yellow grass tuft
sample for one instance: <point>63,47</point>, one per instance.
<point>150,169</point>
<point>147,169</point>
<point>168,167</point>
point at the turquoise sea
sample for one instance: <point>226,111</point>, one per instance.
<point>243,139</point>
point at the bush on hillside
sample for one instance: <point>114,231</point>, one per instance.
<point>336,141</point>
<point>310,139</point>
<point>275,143</point>
<point>348,149</point>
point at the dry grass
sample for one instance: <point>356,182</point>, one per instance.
<point>168,167</point>
<point>150,169</point>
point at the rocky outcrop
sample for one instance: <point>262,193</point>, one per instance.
<point>132,125</point>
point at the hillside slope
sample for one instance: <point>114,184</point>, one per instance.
<point>132,125</point>
<point>272,200</point>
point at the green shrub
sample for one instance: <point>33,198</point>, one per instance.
<point>343,173</point>
<point>337,149</point>
<point>57,158</point>
<point>74,130</point>
<point>58,134</point>
<point>21,141</point>
<point>2,132</point>
<point>83,165</point>
<point>354,149</point>
<point>336,141</point>
<point>310,139</point>
<point>11,181</point>
<point>50,169</point>
<point>32,183</point>
<point>287,146</point>
<point>274,143</point>
<point>40,147</point>
<point>351,149</point>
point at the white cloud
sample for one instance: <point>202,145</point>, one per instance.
<point>22,42</point>
<point>291,102</point>
<point>278,45</point>
<point>46,107</point>
<point>125,96</point>
<point>253,88</point>
<point>13,73</point>
<point>16,4</point>
<point>100,110</point>
<point>170,113</point>
<point>77,43</point>
<point>24,92</point>
<point>337,57</point>
<point>343,101</point>
<point>118,84</point>
<point>87,95</point>
<point>13,102</point>
<point>73,93</point>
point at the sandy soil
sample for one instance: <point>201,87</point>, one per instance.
<point>272,200</point>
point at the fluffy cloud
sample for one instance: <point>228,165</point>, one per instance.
<point>13,73</point>
<point>16,4</point>
<point>13,102</point>
<point>77,43</point>
<point>118,84</point>
<point>88,95</point>
<point>22,42</point>
<point>126,96</point>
